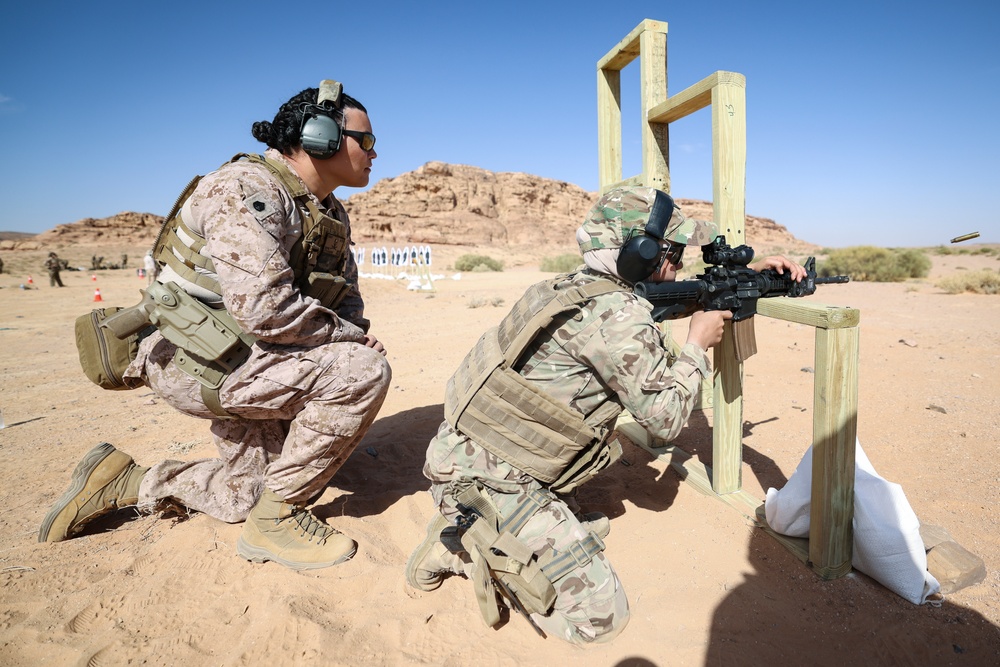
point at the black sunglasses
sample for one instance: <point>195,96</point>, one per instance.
<point>672,253</point>
<point>365,139</point>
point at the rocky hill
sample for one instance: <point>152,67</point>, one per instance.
<point>461,205</point>
<point>124,229</point>
<point>438,203</point>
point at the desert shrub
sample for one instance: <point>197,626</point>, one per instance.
<point>480,302</point>
<point>477,263</point>
<point>983,281</point>
<point>566,263</point>
<point>943,250</point>
<point>870,263</point>
<point>913,263</point>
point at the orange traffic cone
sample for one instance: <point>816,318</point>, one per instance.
<point>30,281</point>
<point>97,295</point>
<point>93,277</point>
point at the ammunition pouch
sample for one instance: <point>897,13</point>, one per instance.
<point>326,288</point>
<point>504,563</point>
<point>588,464</point>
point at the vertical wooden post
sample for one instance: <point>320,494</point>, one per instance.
<point>609,125</point>
<point>729,161</point>
<point>835,429</point>
<point>835,394</point>
<point>729,158</point>
<point>727,422</point>
<point>648,42</point>
<point>655,136</point>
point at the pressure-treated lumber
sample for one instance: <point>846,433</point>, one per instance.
<point>829,548</point>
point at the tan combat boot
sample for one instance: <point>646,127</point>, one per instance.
<point>105,480</point>
<point>431,560</point>
<point>288,533</point>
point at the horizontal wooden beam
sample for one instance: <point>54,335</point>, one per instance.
<point>692,471</point>
<point>807,312</point>
<point>627,50</point>
<point>693,98</point>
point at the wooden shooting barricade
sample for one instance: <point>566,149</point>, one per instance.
<point>835,394</point>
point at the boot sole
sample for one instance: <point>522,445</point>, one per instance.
<point>433,535</point>
<point>81,475</point>
<point>260,555</point>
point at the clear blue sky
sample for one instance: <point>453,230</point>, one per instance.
<point>868,122</point>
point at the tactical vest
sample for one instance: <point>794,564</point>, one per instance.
<point>490,402</point>
<point>315,259</point>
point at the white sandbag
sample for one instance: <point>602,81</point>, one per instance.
<point>887,543</point>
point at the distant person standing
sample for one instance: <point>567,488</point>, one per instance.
<point>53,266</point>
<point>124,260</point>
<point>149,264</point>
<point>1,265</point>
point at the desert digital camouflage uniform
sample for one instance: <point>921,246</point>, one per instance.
<point>611,345</point>
<point>310,388</point>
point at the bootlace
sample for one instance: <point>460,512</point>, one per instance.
<point>311,526</point>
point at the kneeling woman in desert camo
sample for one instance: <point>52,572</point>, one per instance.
<point>261,246</point>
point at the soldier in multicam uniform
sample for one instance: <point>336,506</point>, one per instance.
<point>54,265</point>
<point>255,238</point>
<point>530,416</point>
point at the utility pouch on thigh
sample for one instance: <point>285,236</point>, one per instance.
<point>504,562</point>
<point>326,288</point>
<point>103,356</point>
<point>507,561</point>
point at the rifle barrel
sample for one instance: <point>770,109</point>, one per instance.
<point>833,279</point>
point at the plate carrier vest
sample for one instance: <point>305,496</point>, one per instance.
<point>315,259</point>
<point>489,401</point>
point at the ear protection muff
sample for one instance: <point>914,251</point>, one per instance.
<point>640,255</point>
<point>320,132</point>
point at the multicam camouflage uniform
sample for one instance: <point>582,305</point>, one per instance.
<point>310,388</point>
<point>609,349</point>
<point>53,265</point>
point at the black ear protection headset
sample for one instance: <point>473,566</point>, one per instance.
<point>640,255</point>
<point>321,134</point>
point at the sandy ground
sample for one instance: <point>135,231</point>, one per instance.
<point>706,586</point>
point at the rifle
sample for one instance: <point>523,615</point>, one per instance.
<point>727,284</point>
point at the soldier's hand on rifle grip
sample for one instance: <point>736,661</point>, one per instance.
<point>706,327</point>
<point>780,263</point>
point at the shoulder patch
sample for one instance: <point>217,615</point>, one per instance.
<point>259,206</point>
